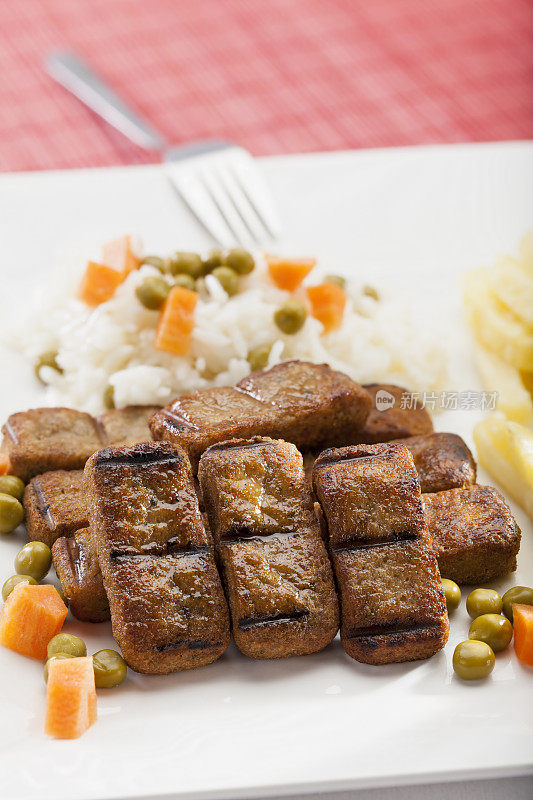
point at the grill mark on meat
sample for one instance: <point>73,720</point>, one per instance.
<point>11,432</point>
<point>175,420</point>
<point>247,623</point>
<point>100,431</point>
<point>327,461</point>
<point>171,548</point>
<point>239,445</point>
<point>42,506</point>
<point>74,555</point>
<point>194,645</point>
<point>136,458</point>
<point>245,534</point>
<point>395,538</point>
<point>390,630</point>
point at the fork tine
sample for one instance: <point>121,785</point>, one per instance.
<point>225,204</point>
<point>246,211</point>
<point>222,187</point>
<point>246,174</point>
<point>193,193</point>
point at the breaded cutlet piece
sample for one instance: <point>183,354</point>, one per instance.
<point>275,566</point>
<point>76,563</point>
<point>168,610</point>
<point>475,536</point>
<point>307,404</point>
<point>54,505</point>
<point>394,422</point>
<point>392,603</point>
<point>442,460</point>
<point>45,439</point>
<point>124,427</point>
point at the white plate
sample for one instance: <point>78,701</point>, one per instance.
<point>414,218</point>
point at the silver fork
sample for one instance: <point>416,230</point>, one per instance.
<point>218,181</point>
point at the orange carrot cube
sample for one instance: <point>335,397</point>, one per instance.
<point>4,464</point>
<point>523,632</point>
<point>70,697</point>
<point>327,304</point>
<point>119,255</point>
<point>30,617</point>
<point>176,322</point>
<point>288,273</point>
<point>99,283</point>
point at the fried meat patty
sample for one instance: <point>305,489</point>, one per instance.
<point>392,603</point>
<point>277,574</point>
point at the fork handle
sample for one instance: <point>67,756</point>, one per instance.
<point>72,73</point>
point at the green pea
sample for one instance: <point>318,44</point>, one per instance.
<point>228,279</point>
<point>215,258</point>
<point>258,357</point>
<point>47,359</point>
<point>62,595</point>
<point>11,513</point>
<point>290,317</point>
<point>109,397</point>
<point>473,660</point>
<point>240,260</point>
<point>483,601</point>
<point>369,291</point>
<point>152,292</point>
<point>494,629</point>
<point>155,261</point>
<point>109,669</point>
<point>66,643</point>
<point>185,281</point>
<point>189,263</point>
<point>55,657</point>
<point>10,484</point>
<point>13,581</point>
<point>33,559</point>
<point>452,593</point>
<point>337,279</point>
<point>517,594</point>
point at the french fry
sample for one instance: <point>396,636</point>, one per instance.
<point>505,449</point>
<point>512,284</point>
<point>493,325</point>
<point>496,375</point>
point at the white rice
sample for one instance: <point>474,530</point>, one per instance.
<point>113,344</point>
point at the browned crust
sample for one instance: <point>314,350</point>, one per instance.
<point>395,422</point>
<point>76,563</point>
<point>49,439</point>
<point>307,404</point>
<point>124,427</point>
<point>475,536</point>
<point>442,460</point>
<point>54,505</point>
<point>392,603</point>
<point>45,439</point>
<point>277,574</point>
<point>168,610</point>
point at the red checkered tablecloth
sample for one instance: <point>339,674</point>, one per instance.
<point>274,75</point>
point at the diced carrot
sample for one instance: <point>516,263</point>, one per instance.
<point>30,617</point>
<point>176,322</point>
<point>99,283</point>
<point>288,273</point>
<point>327,304</point>
<point>4,464</point>
<point>70,697</point>
<point>118,254</point>
<point>523,632</point>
